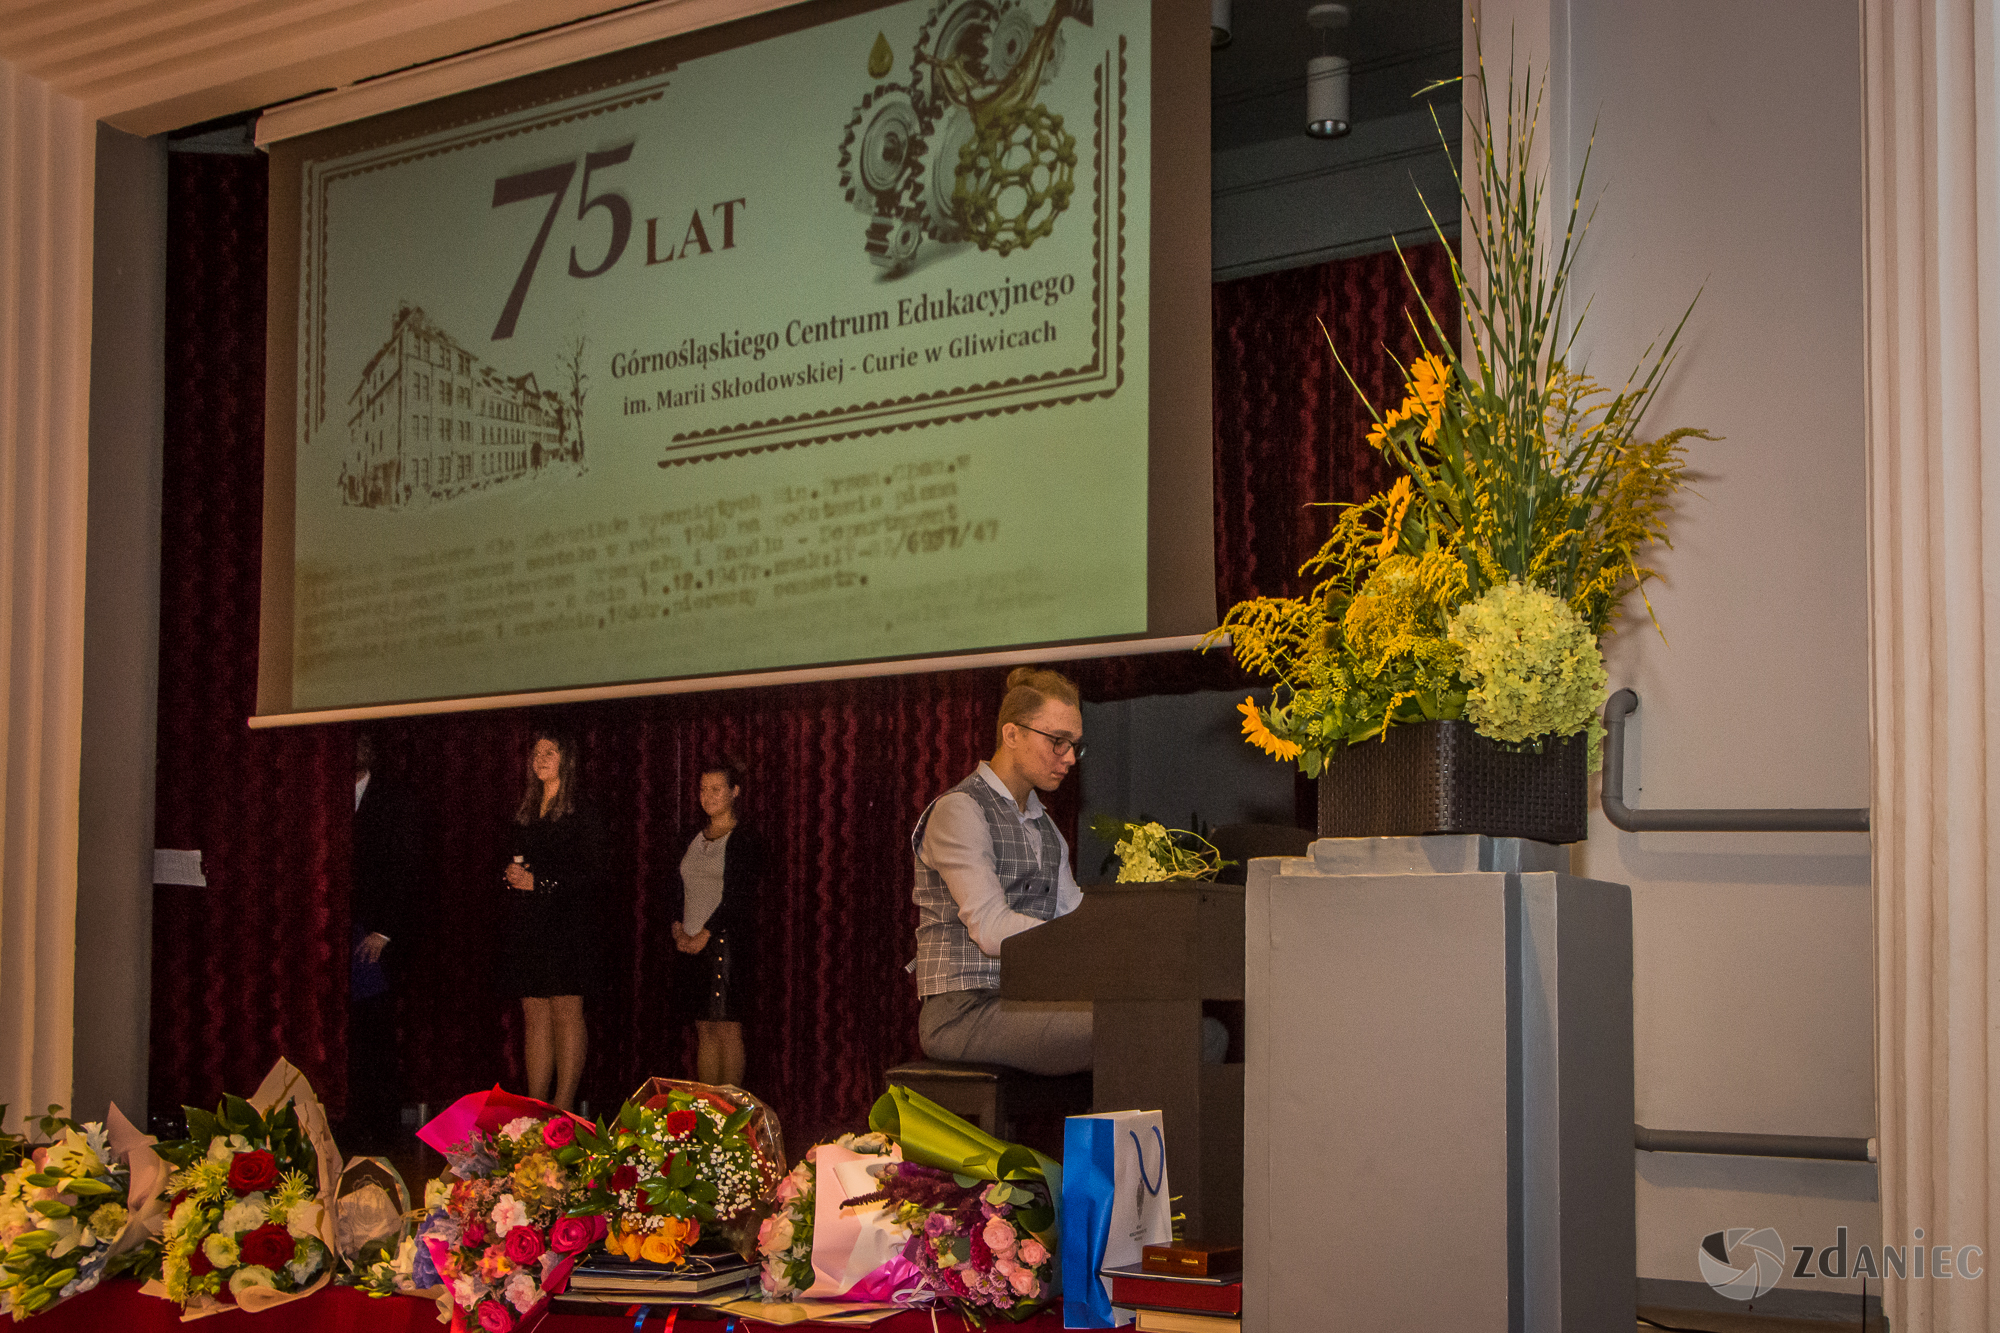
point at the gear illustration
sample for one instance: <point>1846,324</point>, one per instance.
<point>1008,42</point>
<point>954,134</point>
<point>882,150</point>
<point>892,241</point>
<point>1015,179</point>
<point>955,33</point>
<point>965,151</point>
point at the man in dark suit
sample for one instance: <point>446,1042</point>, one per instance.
<point>384,878</point>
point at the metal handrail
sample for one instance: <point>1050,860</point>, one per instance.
<point>1753,1145</point>
<point>1623,704</point>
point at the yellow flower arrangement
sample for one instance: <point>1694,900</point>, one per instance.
<point>1479,584</point>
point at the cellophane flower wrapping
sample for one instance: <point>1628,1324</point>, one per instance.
<point>981,1213</point>
<point>247,1224</point>
<point>68,1216</point>
<point>680,1164</point>
<point>378,1242</point>
<point>501,1235</point>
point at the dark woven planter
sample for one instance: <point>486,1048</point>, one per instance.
<point>1444,777</point>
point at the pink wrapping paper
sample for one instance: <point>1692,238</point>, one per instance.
<point>852,1247</point>
<point>483,1112</point>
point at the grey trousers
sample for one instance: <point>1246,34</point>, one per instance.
<point>1039,1036</point>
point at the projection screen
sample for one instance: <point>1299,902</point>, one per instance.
<point>851,333</point>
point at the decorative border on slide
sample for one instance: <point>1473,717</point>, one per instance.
<point>320,180</point>
<point>1100,377</point>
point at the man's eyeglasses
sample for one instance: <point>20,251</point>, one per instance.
<point>1064,745</point>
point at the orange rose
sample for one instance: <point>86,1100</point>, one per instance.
<point>669,1244</point>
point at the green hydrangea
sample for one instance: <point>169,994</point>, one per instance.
<point>1532,664</point>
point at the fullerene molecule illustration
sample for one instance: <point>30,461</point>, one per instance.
<point>966,150</point>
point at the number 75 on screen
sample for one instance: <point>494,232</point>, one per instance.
<point>554,182</point>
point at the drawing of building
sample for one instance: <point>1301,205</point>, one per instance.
<point>430,421</point>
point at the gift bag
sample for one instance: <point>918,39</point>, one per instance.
<point>1115,1202</point>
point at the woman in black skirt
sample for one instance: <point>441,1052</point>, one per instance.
<point>551,925</point>
<point>716,888</point>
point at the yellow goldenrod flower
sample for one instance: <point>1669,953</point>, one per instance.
<point>1260,735</point>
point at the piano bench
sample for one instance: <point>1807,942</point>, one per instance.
<point>995,1097</point>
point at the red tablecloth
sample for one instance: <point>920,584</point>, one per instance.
<point>119,1306</point>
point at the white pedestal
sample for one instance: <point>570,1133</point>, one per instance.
<point>1438,1099</point>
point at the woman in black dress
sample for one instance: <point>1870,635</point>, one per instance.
<point>716,888</point>
<point>551,924</point>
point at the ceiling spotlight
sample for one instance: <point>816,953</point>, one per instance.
<point>1219,28</point>
<point>1326,78</point>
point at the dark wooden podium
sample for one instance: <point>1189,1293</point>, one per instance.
<point>1147,956</point>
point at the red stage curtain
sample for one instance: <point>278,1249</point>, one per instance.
<point>1289,430</point>
<point>254,966</point>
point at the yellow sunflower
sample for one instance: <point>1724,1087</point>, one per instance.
<point>1392,518</point>
<point>1423,400</point>
<point>1260,735</point>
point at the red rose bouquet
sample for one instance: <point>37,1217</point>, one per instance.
<point>247,1222</point>
<point>500,1237</point>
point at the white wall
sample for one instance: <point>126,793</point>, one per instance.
<point>121,638</point>
<point>1728,155</point>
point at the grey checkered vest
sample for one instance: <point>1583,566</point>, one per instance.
<point>947,959</point>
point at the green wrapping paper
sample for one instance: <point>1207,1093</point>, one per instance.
<point>934,1137</point>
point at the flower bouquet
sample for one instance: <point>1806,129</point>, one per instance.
<point>817,1245</point>
<point>14,1148</point>
<point>981,1213</point>
<point>247,1224</point>
<point>65,1223</point>
<point>1478,586</point>
<point>681,1162</point>
<point>374,1230</point>
<point>1152,853</point>
<point>501,1238</point>
<point>408,1270</point>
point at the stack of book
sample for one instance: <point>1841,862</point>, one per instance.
<point>604,1279</point>
<point>1182,1289</point>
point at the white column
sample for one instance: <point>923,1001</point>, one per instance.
<point>1933,313</point>
<point>47,147</point>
